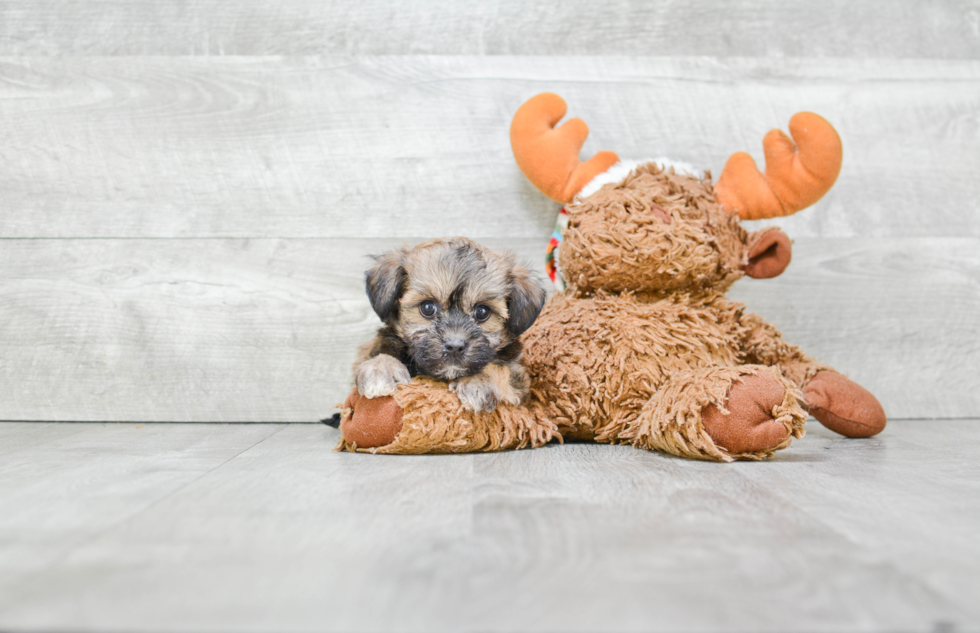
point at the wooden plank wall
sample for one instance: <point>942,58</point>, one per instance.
<point>189,189</point>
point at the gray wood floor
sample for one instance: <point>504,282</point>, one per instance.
<point>261,527</point>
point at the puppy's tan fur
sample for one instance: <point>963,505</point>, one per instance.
<point>459,278</point>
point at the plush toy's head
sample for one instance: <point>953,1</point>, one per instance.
<point>655,229</point>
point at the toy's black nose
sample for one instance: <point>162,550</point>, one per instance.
<point>455,345</point>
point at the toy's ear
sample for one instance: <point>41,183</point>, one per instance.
<point>770,252</point>
<point>525,301</point>
<point>385,284</point>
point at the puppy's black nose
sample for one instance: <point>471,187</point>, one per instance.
<point>455,345</point>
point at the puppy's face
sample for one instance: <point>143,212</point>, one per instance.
<point>455,304</point>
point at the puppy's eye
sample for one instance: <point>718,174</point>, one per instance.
<point>482,313</point>
<point>428,309</point>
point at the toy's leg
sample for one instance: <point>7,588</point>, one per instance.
<point>370,422</point>
<point>837,402</point>
<point>721,413</point>
<point>762,344</point>
<point>844,406</point>
<point>425,417</point>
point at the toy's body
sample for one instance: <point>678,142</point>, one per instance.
<point>643,347</point>
<point>649,379</point>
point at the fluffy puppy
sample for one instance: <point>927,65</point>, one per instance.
<point>452,310</point>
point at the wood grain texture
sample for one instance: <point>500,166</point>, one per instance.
<point>188,189</point>
<point>185,330</point>
<point>386,146</point>
<point>77,481</point>
<point>266,330</point>
<point>264,528</point>
<point>898,316</point>
<point>788,28</point>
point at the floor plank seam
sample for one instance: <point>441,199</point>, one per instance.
<point>61,559</point>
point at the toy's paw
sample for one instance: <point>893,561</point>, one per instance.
<point>749,425</point>
<point>844,406</point>
<point>476,393</point>
<point>380,376</point>
<point>370,422</point>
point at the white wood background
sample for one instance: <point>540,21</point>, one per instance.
<point>189,189</point>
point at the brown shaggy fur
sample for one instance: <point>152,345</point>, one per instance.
<point>642,341</point>
<point>453,310</point>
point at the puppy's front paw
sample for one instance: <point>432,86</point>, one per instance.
<point>477,393</point>
<point>380,376</point>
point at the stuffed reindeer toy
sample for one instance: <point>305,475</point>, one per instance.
<point>642,346</point>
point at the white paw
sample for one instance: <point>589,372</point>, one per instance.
<point>380,376</point>
<point>476,394</point>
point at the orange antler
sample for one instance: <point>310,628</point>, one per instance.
<point>548,156</point>
<point>797,174</point>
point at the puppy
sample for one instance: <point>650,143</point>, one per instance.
<point>452,310</point>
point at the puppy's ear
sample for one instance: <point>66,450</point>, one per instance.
<point>385,284</point>
<point>526,299</point>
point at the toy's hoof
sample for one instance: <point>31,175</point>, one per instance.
<point>844,406</point>
<point>748,427</point>
<point>372,422</point>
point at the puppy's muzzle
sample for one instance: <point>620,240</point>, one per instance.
<point>455,348</point>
